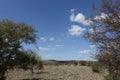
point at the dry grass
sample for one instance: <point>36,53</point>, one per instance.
<point>56,73</point>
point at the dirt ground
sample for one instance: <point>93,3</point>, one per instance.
<point>64,72</point>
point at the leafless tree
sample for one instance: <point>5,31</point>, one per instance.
<point>105,34</point>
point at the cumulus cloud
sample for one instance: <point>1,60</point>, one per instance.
<point>76,30</point>
<point>47,38</point>
<point>80,18</point>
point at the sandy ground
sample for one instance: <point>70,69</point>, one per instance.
<point>56,73</point>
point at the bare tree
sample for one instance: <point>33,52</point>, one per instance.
<point>105,34</point>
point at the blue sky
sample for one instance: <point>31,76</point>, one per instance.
<point>60,26</point>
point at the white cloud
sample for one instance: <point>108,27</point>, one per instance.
<point>51,38</point>
<point>76,30</point>
<point>49,48</point>
<point>46,48</point>
<point>80,18</point>
<point>47,38</point>
<point>84,52</point>
<point>97,30</point>
<point>72,16</point>
<point>43,48</point>
<point>84,55</point>
<point>72,10</point>
<point>92,46</point>
<point>43,38</point>
<point>101,16</point>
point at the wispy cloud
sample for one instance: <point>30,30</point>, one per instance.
<point>84,52</point>
<point>76,30</point>
<point>43,38</point>
<point>72,10</point>
<point>79,17</point>
<point>43,48</point>
<point>51,38</point>
<point>49,48</point>
<point>47,57</point>
<point>59,45</point>
<point>84,55</point>
<point>47,38</point>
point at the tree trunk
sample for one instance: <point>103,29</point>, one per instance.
<point>32,70</point>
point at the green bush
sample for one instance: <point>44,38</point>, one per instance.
<point>96,67</point>
<point>75,63</point>
<point>90,63</point>
<point>107,77</point>
<point>83,63</point>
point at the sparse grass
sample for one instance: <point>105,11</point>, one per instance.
<point>61,72</point>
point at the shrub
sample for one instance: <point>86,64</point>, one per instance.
<point>83,63</point>
<point>107,77</point>
<point>90,63</point>
<point>96,67</point>
<point>75,63</point>
<point>39,64</point>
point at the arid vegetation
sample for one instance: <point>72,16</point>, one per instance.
<point>17,63</point>
<point>54,72</point>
